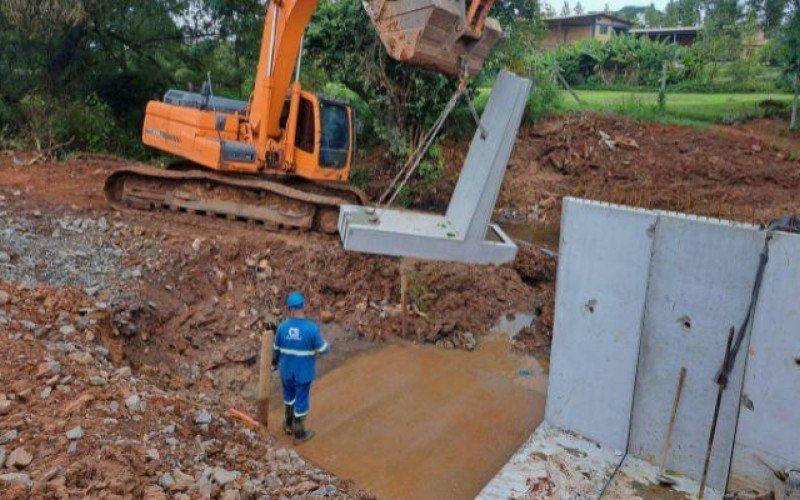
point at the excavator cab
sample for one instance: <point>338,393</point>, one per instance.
<point>322,132</point>
<point>444,36</point>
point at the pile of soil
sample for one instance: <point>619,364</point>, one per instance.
<point>77,422</point>
<point>719,172</point>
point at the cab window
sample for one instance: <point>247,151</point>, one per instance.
<point>335,135</point>
<point>304,138</point>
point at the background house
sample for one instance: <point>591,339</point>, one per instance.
<point>570,29</point>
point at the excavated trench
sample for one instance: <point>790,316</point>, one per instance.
<point>409,421</point>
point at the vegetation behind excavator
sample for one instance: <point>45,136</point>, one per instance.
<point>283,158</point>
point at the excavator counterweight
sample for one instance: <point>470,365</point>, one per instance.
<point>441,35</point>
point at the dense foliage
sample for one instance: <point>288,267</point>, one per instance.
<point>82,71</point>
<point>712,64</point>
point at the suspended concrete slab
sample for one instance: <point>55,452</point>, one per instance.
<point>465,232</point>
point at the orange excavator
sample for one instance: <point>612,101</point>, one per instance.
<point>284,157</point>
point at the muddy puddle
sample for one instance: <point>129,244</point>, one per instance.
<point>409,421</point>
<point>535,233</point>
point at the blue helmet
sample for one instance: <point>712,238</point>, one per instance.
<point>295,300</point>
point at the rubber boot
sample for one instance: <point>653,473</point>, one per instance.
<point>301,434</point>
<point>288,419</point>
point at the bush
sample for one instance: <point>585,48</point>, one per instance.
<point>623,60</point>
<point>90,124</point>
<point>87,125</point>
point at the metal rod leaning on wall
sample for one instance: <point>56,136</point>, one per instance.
<point>722,385</point>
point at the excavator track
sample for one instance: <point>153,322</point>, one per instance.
<point>297,204</point>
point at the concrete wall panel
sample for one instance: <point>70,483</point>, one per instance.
<point>602,280</point>
<point>700,282</point>
<point>769,421</point>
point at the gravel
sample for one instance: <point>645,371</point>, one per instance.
<point>77,253</point>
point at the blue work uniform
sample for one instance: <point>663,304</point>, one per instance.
<point>297,343</point>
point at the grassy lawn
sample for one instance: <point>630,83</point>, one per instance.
<point>690,109</point>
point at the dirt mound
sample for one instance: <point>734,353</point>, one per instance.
<point>76,424</point>
<point>717,172</point>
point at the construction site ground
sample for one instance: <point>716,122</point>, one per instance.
<point>127,336</point>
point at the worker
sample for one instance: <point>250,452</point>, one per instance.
<point>298,341</point>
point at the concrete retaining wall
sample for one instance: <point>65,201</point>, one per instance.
<point>701,278</point>
<point>769,420</point>
<point>594,355</point>
<point>642,293</point>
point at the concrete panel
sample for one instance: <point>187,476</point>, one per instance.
<point>600,291</point>
<point>769,419</point>
<point>423,236</point>
<point>701,277</point>
<point>464,234</point>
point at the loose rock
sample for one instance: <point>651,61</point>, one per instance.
<point>16,478</point>
<point>75,433</point>
<point>134,403</point>
<point>19,458</point>
<point>203,417</point>
<point>222,476</point>
<point>166,480</point>
<point>8,436</point>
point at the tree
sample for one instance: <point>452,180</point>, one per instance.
<point>672,14</point>
<point>774,12</point>
<point>506,11</point>
<point>722,16</point>
<point>607,9</point>
<point>578,9</point>
<point>689,12</point>
<point>653,18</point>
<point>631,13</point>
<point>565,10</point>
<point>789,53</point>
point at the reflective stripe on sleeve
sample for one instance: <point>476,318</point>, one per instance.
<point>294,352</point>
<point>324,347</point>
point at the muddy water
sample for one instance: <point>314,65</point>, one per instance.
<point>406,421</point>
<point>546,236</point>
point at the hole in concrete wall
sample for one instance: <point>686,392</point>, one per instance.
<point>686,322</point>
<point>797,360</point>
<point>590,306</point>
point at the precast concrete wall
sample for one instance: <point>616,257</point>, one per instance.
<point>700,282</point>
<point>769,418</point>
<point>641,294</point>
<point>604,257</point>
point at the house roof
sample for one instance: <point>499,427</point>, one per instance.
<point>585,19</point>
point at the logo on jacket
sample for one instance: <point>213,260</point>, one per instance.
<point>294,334</point>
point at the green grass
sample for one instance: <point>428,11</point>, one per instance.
<point>685,108</point>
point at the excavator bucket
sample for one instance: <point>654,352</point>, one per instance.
<point>435,34</point>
